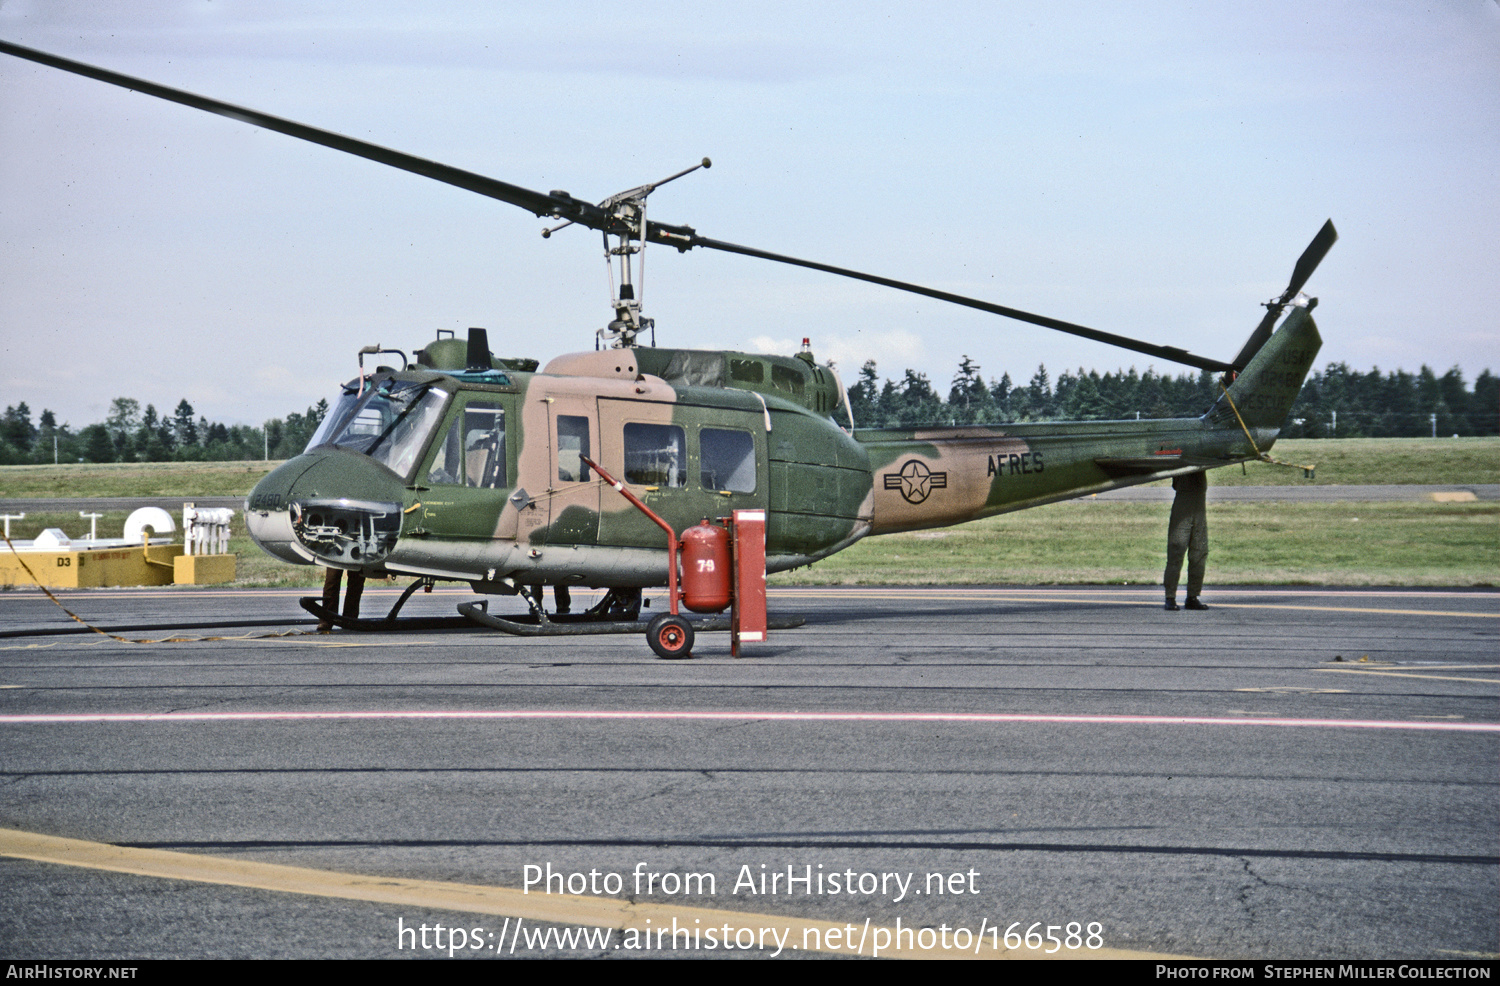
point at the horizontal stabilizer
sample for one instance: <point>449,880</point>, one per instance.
<point>1145,465</point>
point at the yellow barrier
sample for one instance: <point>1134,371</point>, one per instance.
<point>163,564</point>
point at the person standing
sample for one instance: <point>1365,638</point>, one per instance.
<point>1187,534</point>
<point>331,579</point>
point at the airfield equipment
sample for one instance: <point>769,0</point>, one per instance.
<point>141,556</point>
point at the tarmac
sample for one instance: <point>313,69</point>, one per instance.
<point>1296,773</point>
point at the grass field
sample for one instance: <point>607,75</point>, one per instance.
<point>1089,542</point>
<point>1077,542</point>
<point>133,479</point>
<point>1372,461</point>
<point>1340,461</point>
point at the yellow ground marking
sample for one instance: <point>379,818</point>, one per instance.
<point>1454,496</point>
<point>1408,674</point>
<point>1297,689</point>
<point>1357,609</point>
<point>326,640</point>
<point>598,912</point>
<point>877,594</point>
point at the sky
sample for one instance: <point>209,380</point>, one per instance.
<point>1152,170</point>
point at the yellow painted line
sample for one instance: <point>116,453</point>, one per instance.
<point>598,912</point>
<point>373,643</point>
<point>1408,674</point>
<point>1157,605</point>
<point>1132,588</point>
<point>1357,609</point>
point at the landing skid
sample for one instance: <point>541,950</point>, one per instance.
<point>391,620</point>
<point>537,623</point>
<point>314,605</point>
<point>529,625</point>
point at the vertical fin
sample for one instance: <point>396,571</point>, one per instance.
<point>1265,392</point>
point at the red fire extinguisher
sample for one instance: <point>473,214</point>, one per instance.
<point>706,568</point>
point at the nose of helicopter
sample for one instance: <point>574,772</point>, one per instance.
<point>330,506</point>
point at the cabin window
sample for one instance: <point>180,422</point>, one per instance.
<point>727,460</point>
<point>747,370</point>
<point>655,455</point>
<point>787,378</point>
<point>472,453</point>
<point>572,447</point>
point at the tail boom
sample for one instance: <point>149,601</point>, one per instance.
<point>935,477</point>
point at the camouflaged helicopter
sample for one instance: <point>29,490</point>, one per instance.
<point>460,465</point>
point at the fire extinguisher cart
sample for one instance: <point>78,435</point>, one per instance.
<point>723,565</point>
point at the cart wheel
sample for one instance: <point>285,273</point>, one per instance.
<point>670,636</point>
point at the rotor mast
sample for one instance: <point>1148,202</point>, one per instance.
<point>627,214</point>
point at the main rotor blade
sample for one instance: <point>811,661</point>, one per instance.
<point>684,238</point>
<point>558,204</point>
<point>564,206</point>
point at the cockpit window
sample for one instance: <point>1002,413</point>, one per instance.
<point>390,423</point>
<point>726,460</point>
<point>333,422</point>
<point>572,448</point>
<point>472,451</point>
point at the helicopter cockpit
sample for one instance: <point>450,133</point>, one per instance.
<point>390,422</point>
<point>338,510</point>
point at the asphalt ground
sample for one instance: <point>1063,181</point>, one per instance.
<point>1296,773</point>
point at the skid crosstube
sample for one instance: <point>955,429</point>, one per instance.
<point>524,625</point>
<point>529,626</point>
<point>314,605</point>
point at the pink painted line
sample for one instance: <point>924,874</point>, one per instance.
<point>969,717</point>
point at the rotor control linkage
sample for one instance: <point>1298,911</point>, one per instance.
<point>629,208</point>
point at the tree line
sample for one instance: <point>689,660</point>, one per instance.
<point>1336,402</point>
<point>132,434</point>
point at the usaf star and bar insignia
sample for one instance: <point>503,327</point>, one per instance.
<point>915,481</point>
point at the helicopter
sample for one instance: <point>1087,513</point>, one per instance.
<point>496,471</point>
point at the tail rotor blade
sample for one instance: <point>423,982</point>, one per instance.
<point>1306,264</point>
<point>1257,338</point>
<point>1311,258</point>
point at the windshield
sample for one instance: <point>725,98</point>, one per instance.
<point>334,421</point>
<point>391,423</point>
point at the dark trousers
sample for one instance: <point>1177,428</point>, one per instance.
<point>331,579</point>
<point>1186,535</point>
